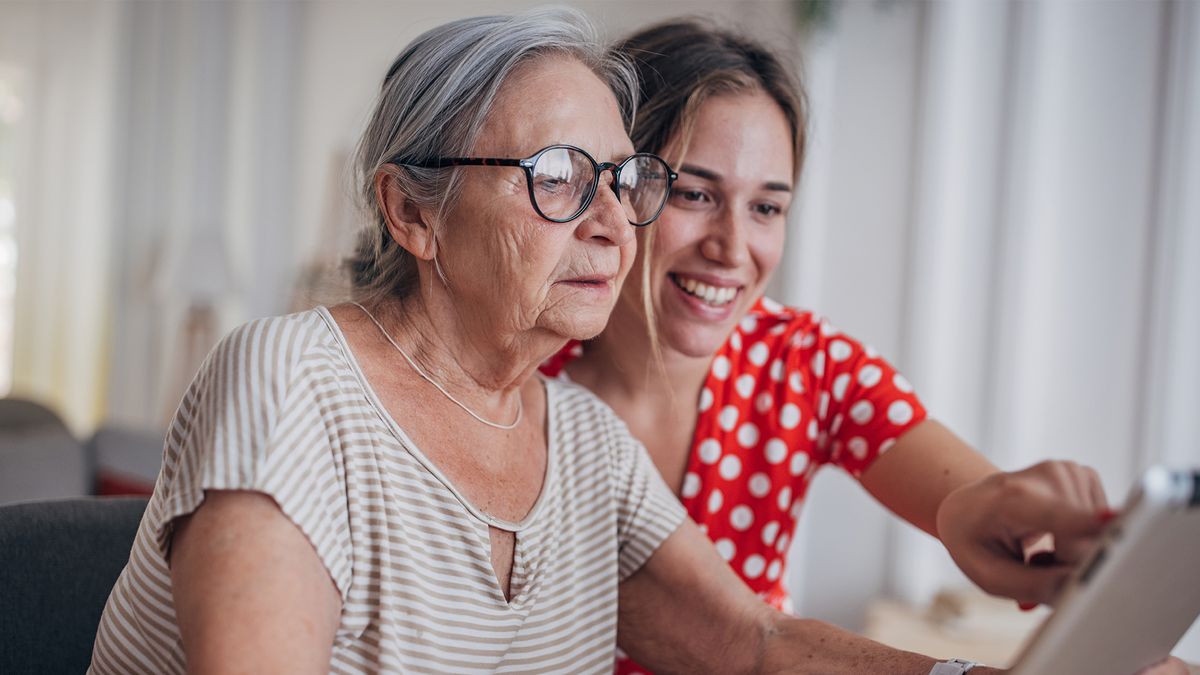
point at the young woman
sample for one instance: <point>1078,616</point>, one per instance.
<point>740,400</point>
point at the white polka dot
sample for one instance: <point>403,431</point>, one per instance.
<point>764,402</point>
<point>798,464</point>
<point>818,364</point>
<point>741,518</point>
<point>796,383</point>
<point>770,533</point>
<point>836,425</point>
<point>840,350</point>
<point>721,367</point>
<point>858,447</point>
<point>774,569</point>
<point>706,399</point>
<point>807,340</point>
<point>823,440</point>
<point>726,549</point>
<point>731,467</point>
<point>871,352</point>
<point>691,485</point>
<point>839,386</point>
<point>715,499</point>
<point>728,417</point>
<point>771,306</point>
<point>745,386</point>
<point>886,445</point>
<point>758,354</point>
<point>902,384</point>
<point>776,451</point>
<point>823,405</point>
<point>710,451</point>
<point>782,544</point>
<point>789,417</point>
<point>760,485</point>
<point>797,507</point>
<point>735,341</point>
<point>779,329</point>
<point>870,375</point>
<point>784,499</point>
<point>812,430</point>
<point>748,324</point>
<point>900,412</point>
<point>827,328</point>
<point>862,412</point>
<point>776,372</point>
<point>747,435</point>
<point>754,566</point>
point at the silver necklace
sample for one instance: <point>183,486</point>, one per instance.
<point>435,383</point>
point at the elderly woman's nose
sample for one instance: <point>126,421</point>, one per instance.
<point>606,219</point>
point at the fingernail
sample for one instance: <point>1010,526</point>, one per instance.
<point>1107,515</point>
<point>1027,606</point>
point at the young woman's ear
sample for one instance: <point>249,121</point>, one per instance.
<point>409,224</point>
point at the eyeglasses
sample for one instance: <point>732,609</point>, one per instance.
<point>562,181</point>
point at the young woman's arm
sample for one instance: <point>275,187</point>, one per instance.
<point>251,595</point>
<point>983,516</point>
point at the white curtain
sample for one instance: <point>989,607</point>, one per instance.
<point>65,187</point>
<point>1001,196</point>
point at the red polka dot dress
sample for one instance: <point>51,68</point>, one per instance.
<point>786,394</point>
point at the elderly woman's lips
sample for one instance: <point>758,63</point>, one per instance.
<point>589,281</point>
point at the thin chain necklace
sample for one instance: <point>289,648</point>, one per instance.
<point>435,383</point>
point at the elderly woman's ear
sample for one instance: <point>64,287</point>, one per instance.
<point>410,225</point>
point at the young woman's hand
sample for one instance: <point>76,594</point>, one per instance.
<point>986,524</point>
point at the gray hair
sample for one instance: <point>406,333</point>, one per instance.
<point>433,103</point>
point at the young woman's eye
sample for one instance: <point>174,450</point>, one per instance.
<point>694,196</point>
<point>767,209</point>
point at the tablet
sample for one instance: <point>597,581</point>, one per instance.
<point>1127,606</point>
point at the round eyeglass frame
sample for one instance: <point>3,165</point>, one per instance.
<point>527,163</point>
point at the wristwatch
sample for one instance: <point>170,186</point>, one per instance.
<point>953,667</point>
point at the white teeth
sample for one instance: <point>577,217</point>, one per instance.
<point>713,295</point>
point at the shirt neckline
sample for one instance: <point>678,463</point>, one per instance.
<point>484,517</point>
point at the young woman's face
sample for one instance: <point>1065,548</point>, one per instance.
<point>721,234</point>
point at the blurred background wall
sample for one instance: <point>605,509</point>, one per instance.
<point>1002,197</point>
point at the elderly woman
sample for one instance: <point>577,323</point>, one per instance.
<point>385,485</point>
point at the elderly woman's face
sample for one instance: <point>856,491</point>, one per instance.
<point>510,270</point>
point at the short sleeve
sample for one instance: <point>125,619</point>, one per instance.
<point>647,510</point>
<point>863,404</point>
<point>251,420</point>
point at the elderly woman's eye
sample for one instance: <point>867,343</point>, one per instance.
<point>552,186</point>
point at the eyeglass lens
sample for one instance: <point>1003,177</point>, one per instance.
<point>563,179</point>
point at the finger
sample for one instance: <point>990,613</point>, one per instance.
<point>1095,488</point>
<point>1023,583</point>
<point>1027,514</point>
<point>1071,551</point>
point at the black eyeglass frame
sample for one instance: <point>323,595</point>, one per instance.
<point>527,163</point>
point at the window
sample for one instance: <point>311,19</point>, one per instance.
<point>10,114</point>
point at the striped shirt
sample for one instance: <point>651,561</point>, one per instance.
<point>281,407</point>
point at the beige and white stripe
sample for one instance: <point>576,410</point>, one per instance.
<point>280,406</point>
